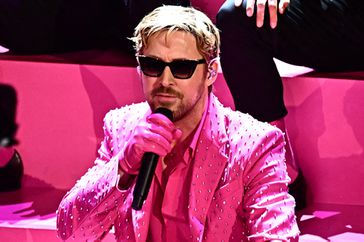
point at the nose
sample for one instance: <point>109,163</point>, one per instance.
<point>167,78</point>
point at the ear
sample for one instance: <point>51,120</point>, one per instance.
<point>139,71</point>
<point>212,71</point>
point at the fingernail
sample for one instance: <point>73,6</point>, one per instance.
<point>249,12</point>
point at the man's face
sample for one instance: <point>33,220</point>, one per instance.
<point>182,96</point>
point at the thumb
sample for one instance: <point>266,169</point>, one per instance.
<point>177,134</point>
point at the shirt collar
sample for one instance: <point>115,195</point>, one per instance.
<point>194,141</point>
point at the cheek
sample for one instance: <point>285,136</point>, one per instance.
<point>148,84</point>
<point>193,90</point>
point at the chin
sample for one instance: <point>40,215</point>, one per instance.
<point>170,106</point>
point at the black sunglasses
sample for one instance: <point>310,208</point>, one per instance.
<point>181,69</point>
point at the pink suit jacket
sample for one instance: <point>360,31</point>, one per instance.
<point>238,190</point>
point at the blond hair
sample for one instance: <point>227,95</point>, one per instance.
<point>177,18</point>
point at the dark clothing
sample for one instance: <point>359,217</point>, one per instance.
<point>51,26</point>
<point>326,35</point>
<point>12,171</point>
<point>8,125</point>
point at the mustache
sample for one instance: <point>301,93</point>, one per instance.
<point>166,90</point>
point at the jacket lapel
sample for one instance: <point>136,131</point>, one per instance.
<point>208,167</point>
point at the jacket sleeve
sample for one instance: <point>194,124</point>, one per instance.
<point>87,212</point>
<point>268,208</point>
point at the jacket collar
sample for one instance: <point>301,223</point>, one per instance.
<point>209,163</point>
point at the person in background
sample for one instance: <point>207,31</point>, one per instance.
<point>321,34</point>
<point>58,26</point>
<point>11,164</point>
<point>220,175</point>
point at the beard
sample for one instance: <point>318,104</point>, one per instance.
<point>183,107</point>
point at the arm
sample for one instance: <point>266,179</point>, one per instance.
<point>89,209</point>
<point>261,4</point>
<point>267,206</point>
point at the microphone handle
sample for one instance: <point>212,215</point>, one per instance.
<point>146,172</point>
<point>144,179</point>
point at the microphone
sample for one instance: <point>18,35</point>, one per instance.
<point>146,172</point>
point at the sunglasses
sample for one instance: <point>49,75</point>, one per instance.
<point>181,69</point>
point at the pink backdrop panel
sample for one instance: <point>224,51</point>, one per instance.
<point>60,112</point>
<point>325,123</point>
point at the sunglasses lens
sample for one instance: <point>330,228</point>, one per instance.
<point>150,66</point>
<point>183,69</point>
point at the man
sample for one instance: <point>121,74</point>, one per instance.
<point>221,174</point>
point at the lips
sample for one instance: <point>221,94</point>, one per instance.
<point>165,97</point>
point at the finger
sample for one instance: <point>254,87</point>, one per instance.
<point>272,6</point>
<point>177,134</point>
<point>156,129</point>
<point>149,142</point>
<point>260,12</point>
<point>250,7</point>
<point>283,4</point>
<point>152,133</point>
<point>160,119</point>
<point>137,151</point>
<point>156,144</point>
<point>238,3</point>
<point>146,145</point>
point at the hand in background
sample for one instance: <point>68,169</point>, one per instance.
<point>260,6</point>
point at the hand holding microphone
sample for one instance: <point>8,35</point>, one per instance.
<point>151,139</point>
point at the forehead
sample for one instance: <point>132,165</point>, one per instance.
<point>176,44</point>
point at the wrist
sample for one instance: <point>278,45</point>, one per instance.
<point>125,165</point>
<point>125,180</point>
<point>126,168</point>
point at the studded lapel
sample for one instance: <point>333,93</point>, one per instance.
<point>209,163</point>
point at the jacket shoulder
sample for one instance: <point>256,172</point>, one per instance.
<point>245,121</point>
<point>129,111</point>
<point>125,117</point>
<point>245,128</point>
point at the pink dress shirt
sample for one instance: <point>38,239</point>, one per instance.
<point>169,219</point>
<point>234,186</point>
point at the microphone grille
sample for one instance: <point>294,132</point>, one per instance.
<point>166,112</point>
